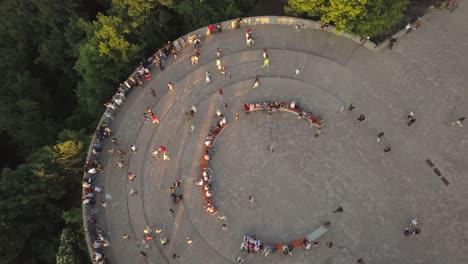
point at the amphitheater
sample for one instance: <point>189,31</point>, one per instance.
<point>298,179</point>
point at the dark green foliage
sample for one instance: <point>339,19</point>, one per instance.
<point>365,18</point>
<point>60,61</point>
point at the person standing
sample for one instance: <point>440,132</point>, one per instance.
<point>297,71</point>
<point>207,77</point>
<point>459,122</point>
<point>170,86</point>
<point>257,82</point>
<point>411,118</point>
<point>153,92</point>
<point>360,119</point>
<point>218,53</point>
<point>387,149</point>
<point>266,63</point>
<point>134,148</point>
<point>237,116</point>
<point>192,128</point>
<point>380,135</point>
<point>238,21</point>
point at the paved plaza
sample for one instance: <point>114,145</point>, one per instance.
<point>297,186</point>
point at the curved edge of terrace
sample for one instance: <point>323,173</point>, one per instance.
<point>285,20</point>
<point>226,25</point>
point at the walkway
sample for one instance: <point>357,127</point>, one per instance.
<point>297,186</point>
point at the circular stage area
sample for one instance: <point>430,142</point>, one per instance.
<point>296,174</point>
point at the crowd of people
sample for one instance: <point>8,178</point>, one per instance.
<point>206,178</point>
<point>92,191</point>
<point>269,107</point>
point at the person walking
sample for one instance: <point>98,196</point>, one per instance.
<point>170,86</point>
<point>238,22</point>
<point>256,82</point>
<point>339,210</point>
<point>218,53</point>
<point>392,42</point>
<point>379,136</point>
<point>192,128</point>
<point>459,122</point>
<point>207,77</point>
<point>154,118</point>
<point>134,148</point>
<point>266,63</point>
<point>265,53</point>
<point>153,92</point>
<point>387,149</point>
<point>351,107</point>
<point>237,116</point>
<point>360,119</point>
<point>411,118</point>
<point>297,71</point>
<point>220,93</point>
<point>165,156</point>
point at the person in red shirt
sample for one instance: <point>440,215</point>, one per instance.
<point>210,29</point>
<point>154,118</point>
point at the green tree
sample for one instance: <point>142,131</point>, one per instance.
<point>67,253</point>
<point>379,15</point>
<point>105,58</point>
<point>26,217</point>
<point>60,166</point>
<point>311,8</point>
<point>358,17</point>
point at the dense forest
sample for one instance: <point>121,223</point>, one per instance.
<point>60,61</point>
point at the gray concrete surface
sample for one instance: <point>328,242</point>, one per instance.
<point>298,186</point>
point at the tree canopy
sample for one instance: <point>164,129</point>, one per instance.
<point>365,18</point>
<point>61,60</point>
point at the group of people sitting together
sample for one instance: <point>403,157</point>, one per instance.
<point>102,132</point>
<point>270,107</point>
<point>88,191</point>
<point>206,184</point>
<point>101,241</point>
<point>206,179</point>
<point>216,28</point>
<point>149,236</point>
<point>252,245</point>
<point>93,167</point>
